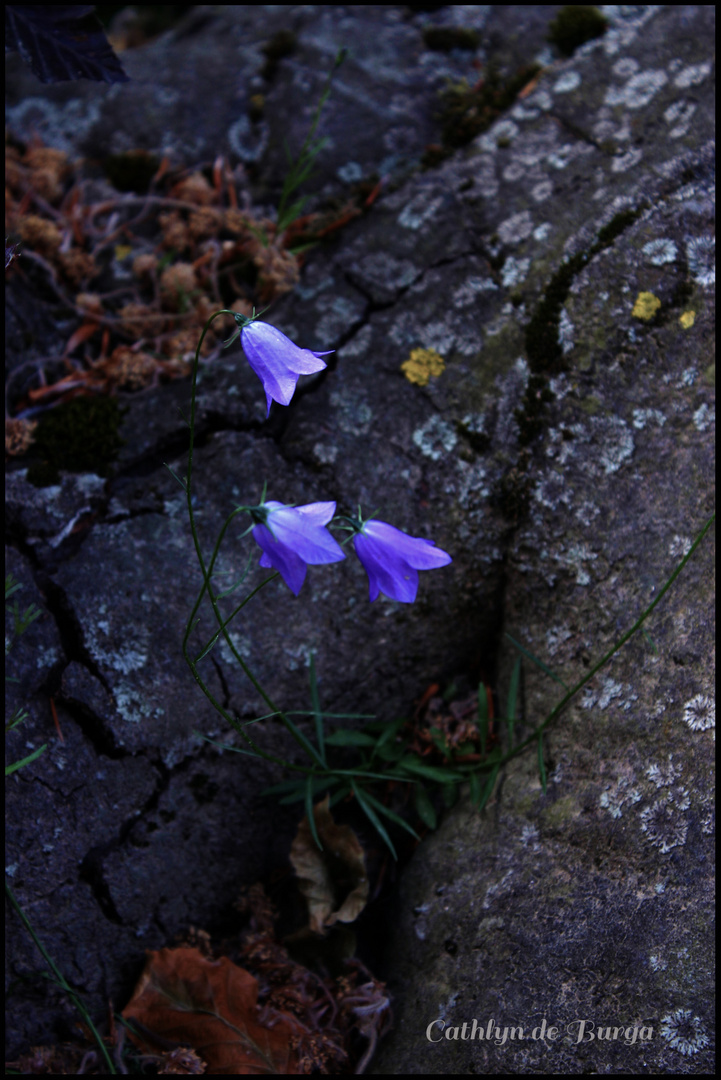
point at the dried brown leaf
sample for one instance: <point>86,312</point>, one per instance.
<point>334,880</point>
<point>211,1006</point>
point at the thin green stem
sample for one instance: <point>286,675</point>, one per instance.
<point>612,652</point>
<point>61,981</point>
<point>207,586</point>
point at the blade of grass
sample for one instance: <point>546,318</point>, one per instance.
<point>309,811</point>
<point>512,699</point>
<point>488,790</point>
<point>373,818</point>
<point>537,662</point>
<point>541,763</point>
<point>317,714</point>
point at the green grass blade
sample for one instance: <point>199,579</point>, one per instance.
<point>309,811</point>
<point>424,807</point>
<point>390,814</point>
<point>513,699</point>
<point>539,663</point>
<point>317,714</point>
<point>349,738</point>
<point>25,761</point>
<point>488,790</point>
<point>541,763</point>
<point>428,772</point>
<point>373,818</point>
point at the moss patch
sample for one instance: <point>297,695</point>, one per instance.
<point>574,25</point>
<point>79,436</point>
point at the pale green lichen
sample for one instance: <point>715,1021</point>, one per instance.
<point>435,438</point>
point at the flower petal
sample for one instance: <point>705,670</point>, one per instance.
<point>387,571</point>
<point>417,552</point>
<point>289,565</point>
<point>277,361</point>
<point>302,528</point>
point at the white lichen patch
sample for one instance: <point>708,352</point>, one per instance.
<point>113,654</point>
<point>700,713</point>
<point>422,208</point>
<point>359,344</point>
<point>680,114</point>
<point>44,657</point>
<point>553,491</point>
<point>704,417</point>
<point>504,131</point>
<point>626,161</point>
<point>642,417</point>
<point>435,438</point>
<point>663,826</point>
<point>325,453</point>
<point>354,415</point>
<point>299,656</point>
<point>680,545</point>
<point>516,228</point>
<point>337,317</point>
<point>664,774</point>
<point>638,91</point>
<point>680,797</point>
<point>615,797</point>
<point>567,82</point>
<point>529,837</point>
<point>575,557</point>
<point>466,293</point>
<point>692,75</point>
<point>701,255</point>
<point>684,1032</point>
<point>601,697</point>
<point>350,173</point>
<point>566,331</point>
<point>514,271</point>
<point>132,706</point>
<point>656,963</point>
<point>542,191</point>
<point>659,252</point>
<point>555,639</point>
<point>617,446</point>
<point>247,140</point>
<point>59,126</point>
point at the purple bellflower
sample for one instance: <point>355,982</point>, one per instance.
<point>295,537</point>
<point>277,362</point>
<point>392,559</point>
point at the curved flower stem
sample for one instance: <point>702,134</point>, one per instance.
<point>206,572</point>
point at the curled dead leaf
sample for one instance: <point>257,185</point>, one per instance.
<point>334,880</point>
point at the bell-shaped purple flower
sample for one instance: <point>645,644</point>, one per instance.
<point>295,537</point>
<point>392,559</point>
<point>276,361</point>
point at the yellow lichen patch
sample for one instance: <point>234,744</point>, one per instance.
<point>687,319</point>
<point>646,306</point>
<point>421,365</point>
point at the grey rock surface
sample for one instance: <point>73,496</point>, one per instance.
<point>565,471</point>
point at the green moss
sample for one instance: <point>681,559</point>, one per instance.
<point>468,111</point>
<point>79,436</point>
<point>281,44</point>
<point>560,812</point>
<point>131,171</point>
<point>543,348</point>
<point>445,38</point>
<point>574,25</point>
